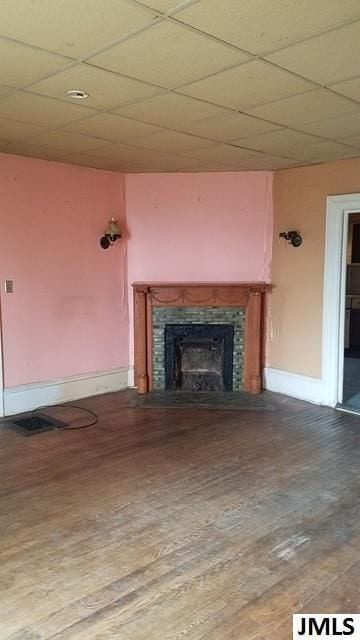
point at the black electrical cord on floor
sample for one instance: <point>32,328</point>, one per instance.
<point>72,406</point>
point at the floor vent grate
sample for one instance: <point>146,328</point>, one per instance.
<point>34,423</point>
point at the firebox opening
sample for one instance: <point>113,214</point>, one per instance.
<point>199,357</point>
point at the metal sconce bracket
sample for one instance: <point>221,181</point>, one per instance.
<point>293,237</point>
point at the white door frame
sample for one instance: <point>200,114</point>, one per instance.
<point>338,209</point>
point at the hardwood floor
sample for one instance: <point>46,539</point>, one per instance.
<point>177,524</point>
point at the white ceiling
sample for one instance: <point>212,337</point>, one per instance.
<point>191,85</point>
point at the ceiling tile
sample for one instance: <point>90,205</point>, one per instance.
<point>206,167</point>
<point>266,162</point>
<point>105,89</point>
<point>249,84</point>
<point>307,107</point>
<point>4,90</point>
<point>26,64</point>
<point>170,110</point>
<point>326,152</point>
<point>164,6</point>
<point>227,154</point>
<point>129,153</point>
<point>327,58</point>
<point>74,28</point>
<point>284,142</point>
<point>35,109</point>
<point>228,127</point>
<point>112,127</point>
<point>168,55</point>
<point>94,161</point>
<point>172,141</point>
<point>259,26</point>
<point>165,163</point>
<point>352,141</point>
<point>335,128</point>
<point>31,150</point>
<point>67,142</point>
<point>13,130</point>
<point>349,88</point>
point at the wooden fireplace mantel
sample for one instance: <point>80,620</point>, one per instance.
<point>249,295</point>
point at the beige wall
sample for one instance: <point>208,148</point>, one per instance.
<point>295,315</point>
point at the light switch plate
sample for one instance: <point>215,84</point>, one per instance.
<point>9,286</point>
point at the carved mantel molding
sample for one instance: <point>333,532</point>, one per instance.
<point>249,295</point>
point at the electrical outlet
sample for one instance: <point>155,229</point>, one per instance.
<point>9,286</point>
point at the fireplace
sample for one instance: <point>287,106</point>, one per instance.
<point>199,357</point>
<point>239,304</point>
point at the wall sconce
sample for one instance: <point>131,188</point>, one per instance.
<point>112,233</point>
<point>293,237</point>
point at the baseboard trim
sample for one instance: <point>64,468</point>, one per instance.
<point>30,396</point>
<point>293,384</point>
<point>131,377</point>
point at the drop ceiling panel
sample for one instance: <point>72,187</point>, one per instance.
<point>170,110</point>
<point>308,107</point>
<point>228,154</point>
<point>259,26</point>
<point>71,27</point>
<point>4,90</point>
<point>13,130</point>
<point>112,127</point>
<point>28,107</point>
<point>105,89</point>
<point>326,152</point>
<point>249,84</point>
<point>228,127</point>
<point>206,168</point>
<point>263,163</point>
<point>335,128</point>
<point>348,88</point>
<point>94,161</point>
<point>352,141</point>
<point>67,142</point>
<point>172,141</point>
<point>220,100</point>
<point>164,6</point>
<point>168,55</point>
<point>284,142</point>
<point>168,163</point>
<point>22,65</point>
<point>134,155</point>
<point>32,151</point>
<point>327,58</point>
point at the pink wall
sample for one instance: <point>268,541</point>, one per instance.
<point>204,226</point>
<point>68,314</point>
<point>199,227</point>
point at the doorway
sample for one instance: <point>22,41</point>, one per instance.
<point>351,369</point>
<point>341,305</point>
<point>2,410</point>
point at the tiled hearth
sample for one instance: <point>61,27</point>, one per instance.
<point>238,305</point>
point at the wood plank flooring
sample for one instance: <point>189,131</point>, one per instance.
<point>178,524</point>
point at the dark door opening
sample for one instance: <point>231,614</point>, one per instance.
<point>351,379</point>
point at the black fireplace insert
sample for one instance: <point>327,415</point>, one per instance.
<point>199,357</point>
